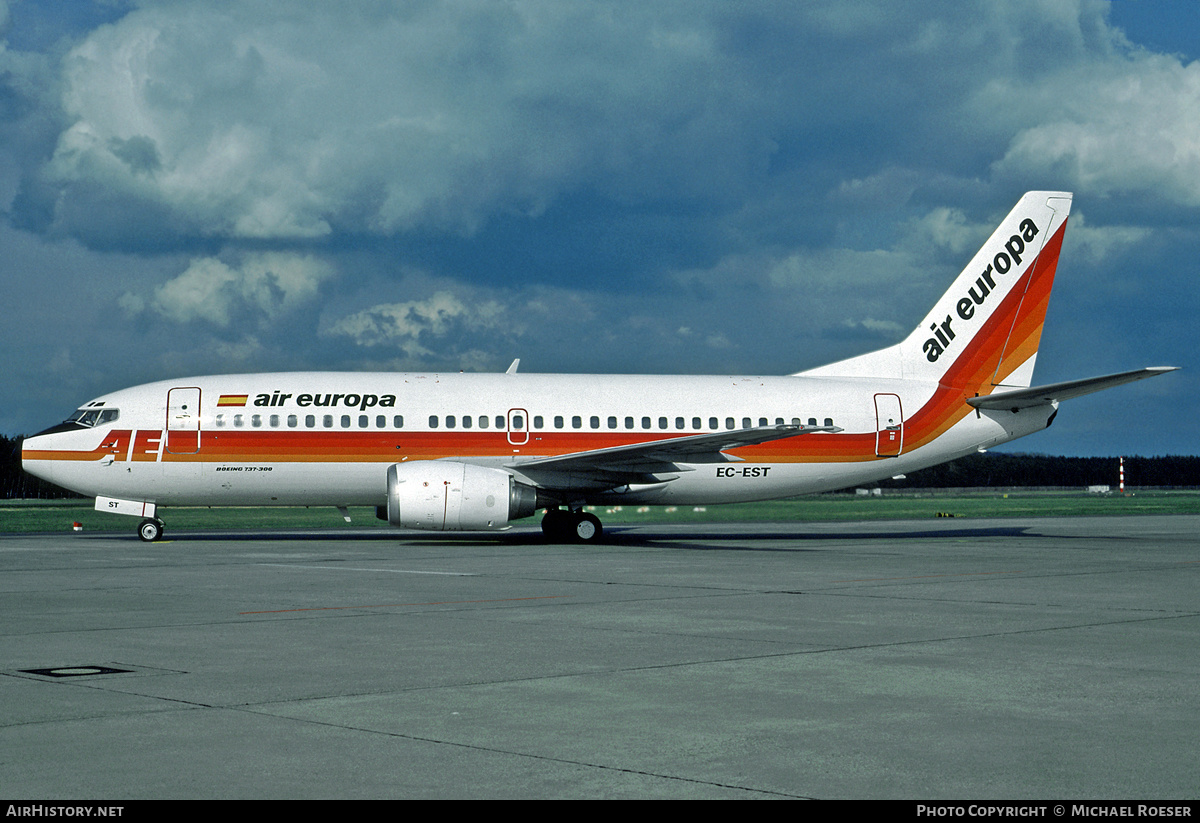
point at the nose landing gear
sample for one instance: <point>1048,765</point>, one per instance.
<point>150,530</point>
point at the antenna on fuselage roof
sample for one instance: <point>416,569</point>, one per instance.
<point>513,368</point>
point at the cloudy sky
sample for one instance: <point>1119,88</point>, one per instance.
<point>199,186</point>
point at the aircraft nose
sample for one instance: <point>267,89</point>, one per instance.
<point>28,445</point>
<point>34,449</point>
<point>42,441</point>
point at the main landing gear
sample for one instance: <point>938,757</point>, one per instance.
<point>560,524</point>
<point>150,530</point>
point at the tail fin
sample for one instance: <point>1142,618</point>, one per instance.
<point>984,331</point>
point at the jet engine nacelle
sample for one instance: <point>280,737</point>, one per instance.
<point>444,495</point>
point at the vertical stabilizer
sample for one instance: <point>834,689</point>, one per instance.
<point>984,331</point>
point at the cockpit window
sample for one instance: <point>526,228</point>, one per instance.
<point>93,417</point>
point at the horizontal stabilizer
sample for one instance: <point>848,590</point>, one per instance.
<point>1044,395</point>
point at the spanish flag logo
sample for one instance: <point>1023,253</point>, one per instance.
<point>232,400</point>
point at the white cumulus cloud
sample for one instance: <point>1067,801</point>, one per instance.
<point>406,324</point>
<point>1129,126</point>
<point>266,284</point>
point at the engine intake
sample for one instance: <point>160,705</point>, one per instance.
<point>443,495</point>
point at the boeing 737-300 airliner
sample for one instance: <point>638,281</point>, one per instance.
<point>478,451</point>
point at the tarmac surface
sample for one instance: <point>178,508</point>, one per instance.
<point>979,659</point>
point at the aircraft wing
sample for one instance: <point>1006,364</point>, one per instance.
<point>643,462</point>
<point>1044,395</point>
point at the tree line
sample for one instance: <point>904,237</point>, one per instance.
<point>1004,469</point>
<point>976,470</point>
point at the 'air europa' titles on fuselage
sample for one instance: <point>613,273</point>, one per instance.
<point>361,401</point>
<point>1002,263</point>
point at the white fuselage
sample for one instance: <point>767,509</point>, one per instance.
<point>315,438</point>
